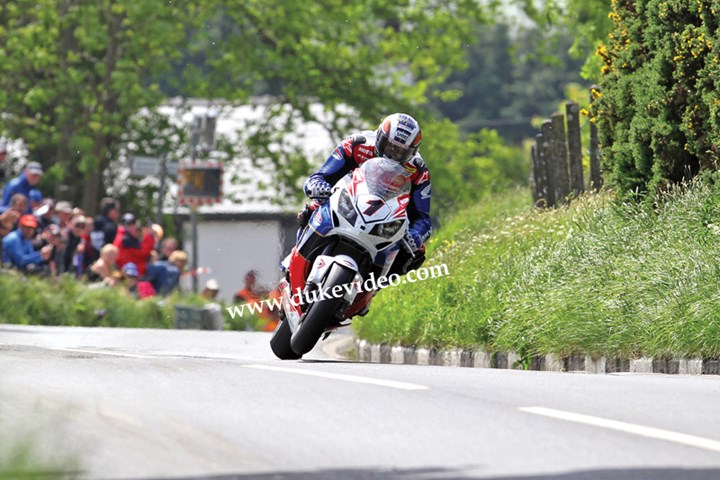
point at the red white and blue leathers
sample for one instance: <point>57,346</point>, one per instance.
<point>352,152</point>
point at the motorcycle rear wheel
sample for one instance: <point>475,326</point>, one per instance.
<point>321,313</point>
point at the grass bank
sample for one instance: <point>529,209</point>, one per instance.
<point>596,278</point>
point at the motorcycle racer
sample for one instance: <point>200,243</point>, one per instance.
<point>397,138</point>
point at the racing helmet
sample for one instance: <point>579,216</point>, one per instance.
<point>398,137</point>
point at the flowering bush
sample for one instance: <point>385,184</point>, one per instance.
<point>659,108</point>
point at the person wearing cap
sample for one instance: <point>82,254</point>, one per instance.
<point>134,244</point>
<point>18,249</point>
<point>132,283</point>
<point>35,198</point>
<point>27,180</point>
<point>212,289</point>
<point>63,210</point>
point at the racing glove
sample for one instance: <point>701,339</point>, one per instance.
<point>317,189</point>
<point>412,241</point>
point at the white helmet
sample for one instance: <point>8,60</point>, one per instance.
<point>398,137</point>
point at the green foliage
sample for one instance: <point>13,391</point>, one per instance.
<point>659,109</point>
<point>464,169</point>
<point>585,21</point>
<point>72,75</point>
<point>68,302</point>
<point>597,277</point>
<point>508,81</point>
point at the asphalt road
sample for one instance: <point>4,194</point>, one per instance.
<point>191,404</point>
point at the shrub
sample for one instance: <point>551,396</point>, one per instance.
<point>659,109</point>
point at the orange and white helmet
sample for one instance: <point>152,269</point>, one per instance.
<point>398,137</point>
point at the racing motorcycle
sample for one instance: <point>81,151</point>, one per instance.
<point>348,240</point>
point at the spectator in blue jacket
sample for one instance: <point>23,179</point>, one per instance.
<point>18,250</point>
<point>27,180</point>
<point>165,275</point>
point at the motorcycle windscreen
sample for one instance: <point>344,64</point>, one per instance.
<point>386,178</point>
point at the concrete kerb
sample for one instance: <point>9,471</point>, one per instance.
<point>374,353</point>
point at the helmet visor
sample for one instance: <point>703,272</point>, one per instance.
<point>398,153</point>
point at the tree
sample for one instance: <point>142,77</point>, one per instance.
<point>586,21</point>
<point>73,73</point>
<point>508,82</point>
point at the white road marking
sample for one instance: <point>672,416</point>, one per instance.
<point>297,371</point>
<point>99,352</point>
<point>338,376</point>
<point>649,432</point>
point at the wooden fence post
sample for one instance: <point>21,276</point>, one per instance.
<point>546,163</point>
<point>595,177</point>
<point>561,179</point>
<point>572,110</point>
<point>535,173</point>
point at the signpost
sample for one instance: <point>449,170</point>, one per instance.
<point>200,183</point>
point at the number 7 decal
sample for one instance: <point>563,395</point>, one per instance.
<point>373,206</point>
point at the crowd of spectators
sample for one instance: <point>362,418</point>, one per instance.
<point>114,250</point>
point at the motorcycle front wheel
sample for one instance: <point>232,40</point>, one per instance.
<point>280,342</point>
<point>321,312</point>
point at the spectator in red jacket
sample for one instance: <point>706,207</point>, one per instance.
<point>134,244</point>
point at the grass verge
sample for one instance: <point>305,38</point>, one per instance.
<point>67,302</point>
<point>596,278</point>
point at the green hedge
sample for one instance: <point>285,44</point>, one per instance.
<point>659,108</point>
<point>65,301</point>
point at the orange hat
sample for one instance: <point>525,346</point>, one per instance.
<point>28,221</point>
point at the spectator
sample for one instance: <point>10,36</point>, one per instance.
<point>18,202</point>
<point>46,213</point>
<point>35,198</point>
<point>23,184</point>
<point>252,294</point>
<point>105,225</point>
<point>103,270</point>
<point>18,250</point>
<point>212,289</point>
<point>132,283</point>
<point>64,213</point>
<point>50,235</point>
<point>165,275</point>
<point>134,244</point>
<point>79,252</point>
<point>130,278</point>
<point>8,219</point>
<point>7,223</point>
<point>168,246</point>
<point>248,294</point>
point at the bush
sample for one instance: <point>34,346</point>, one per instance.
<point>659,109</point>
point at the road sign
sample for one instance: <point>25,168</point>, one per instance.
<point>144,166</point>
<point>200,183</point>
<point>141,166</point>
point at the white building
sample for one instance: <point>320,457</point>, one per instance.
<point>256,233</point>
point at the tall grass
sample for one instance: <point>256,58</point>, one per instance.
<point>595,277</point>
